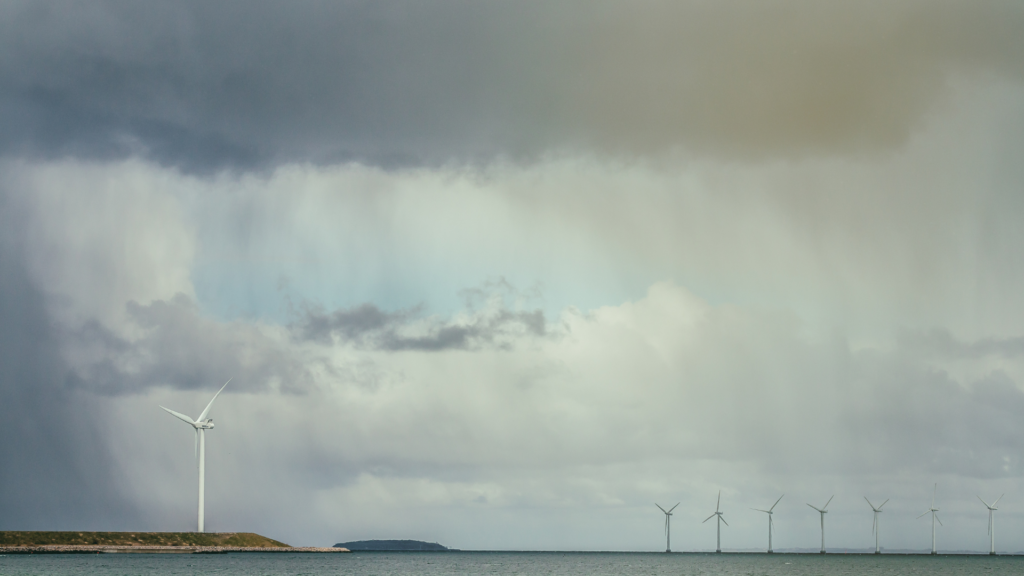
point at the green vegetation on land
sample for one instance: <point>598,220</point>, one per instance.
<point>237,539</point>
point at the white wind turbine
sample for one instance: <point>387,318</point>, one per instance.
<point>720,520</point>
<point>935,517</point>
<point>770,523</point>
<point>668,533</point>
<point>201,425</point>
<point>823,510</point>
<point>991,525</point>
<point>874,527</point>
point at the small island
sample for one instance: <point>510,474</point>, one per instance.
<point>33,542</point>
<point>392,546</point>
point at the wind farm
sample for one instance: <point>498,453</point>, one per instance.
<point>197,542</point>
<point>876,549</point>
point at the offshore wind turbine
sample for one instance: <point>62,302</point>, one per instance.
<point>201,425</point>
<point>874,527</point>
<point>991,525</point>
<point>720,520</point>
<point>668,531</point>
<point>823,510</point>
<point>935,517</point>
<point>770,524</point>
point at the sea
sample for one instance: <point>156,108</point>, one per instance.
<point>508,564</point>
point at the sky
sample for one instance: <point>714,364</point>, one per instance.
<point>504,275</point>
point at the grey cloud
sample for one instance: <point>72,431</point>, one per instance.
<point>349,324</point>
<point>231,84</point>
<point>369,327</point>
<point>905,414</point>
<point>181,348</point>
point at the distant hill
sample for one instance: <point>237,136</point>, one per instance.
<point>392,546</point>
<point>240,539</point>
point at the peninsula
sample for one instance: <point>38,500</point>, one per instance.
<point>143,542</point>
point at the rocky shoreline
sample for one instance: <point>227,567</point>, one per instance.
<point>157,549</point>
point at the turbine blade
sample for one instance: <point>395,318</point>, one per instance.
<point>923,515</point>
<point>937,520</point>
<point>812,506</point>
<point>934,492</point>
<point>776,503</point>
<point>882,504</point>
<point>673,508</point>
<point>180,416</point>
<point>710,517</point>
<point>825,507</point>
<point>723,520</point>
<point>997,500</point>
<point>208,406</point>
<point>985,503</point>
<point>660,508</point>
<point>759,510</point>
<point>719,501</point>
<point>870,504</point>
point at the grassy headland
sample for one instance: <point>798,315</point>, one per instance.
<point>234,539</point>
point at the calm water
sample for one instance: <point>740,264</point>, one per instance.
<point>507,564</point>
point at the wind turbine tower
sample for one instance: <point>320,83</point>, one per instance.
<point>201,425</point>
<point>935,517</point>
<point>720,520</point>
<point>991,524</point>
<point>874,527</point>
<point>770,524</point>
<point>823,510</point>
<point>668,531</point>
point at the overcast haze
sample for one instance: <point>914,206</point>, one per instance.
<point>503,275</point>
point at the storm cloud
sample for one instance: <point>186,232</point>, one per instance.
<point>238,84</point>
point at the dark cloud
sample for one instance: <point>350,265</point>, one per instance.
<point>57,472</point>
<point>369,327</point>
<point>243,84</point>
